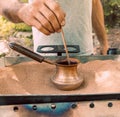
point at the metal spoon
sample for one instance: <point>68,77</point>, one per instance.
<point>66,49</point>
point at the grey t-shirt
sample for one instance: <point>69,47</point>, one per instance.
<point>78,28</point>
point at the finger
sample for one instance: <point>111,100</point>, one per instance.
<point>50,17</point>
<point>41,19</point>
<point>57,12</point>
<point>63,23</point>
<point>40,27</point>
<point>60,15</point>
<point>44,21</point>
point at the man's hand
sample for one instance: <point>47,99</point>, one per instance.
<point>104,49</point>
<point>45,15</point>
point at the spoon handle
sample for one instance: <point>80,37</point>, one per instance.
<point>66,49</point>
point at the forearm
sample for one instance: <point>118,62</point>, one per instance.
<point>9,9</point>
<point>98,22</point>
<point>45,15</point>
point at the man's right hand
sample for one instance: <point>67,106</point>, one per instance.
<point>46,15</point>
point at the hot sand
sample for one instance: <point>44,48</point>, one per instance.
<point>34,78</point>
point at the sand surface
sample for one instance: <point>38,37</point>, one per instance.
<point>35,78</point>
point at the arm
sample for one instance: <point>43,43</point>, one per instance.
<point>98,25</point>
<point>46,15</point>
<point>11,11</point>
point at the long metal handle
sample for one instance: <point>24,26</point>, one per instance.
<point>28,53</point>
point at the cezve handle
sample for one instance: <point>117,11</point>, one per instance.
<point>28,53</point>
